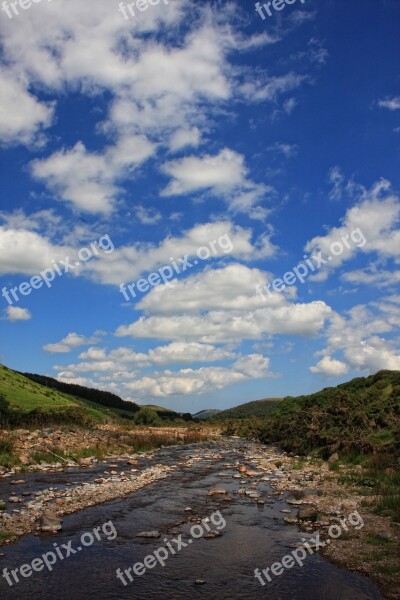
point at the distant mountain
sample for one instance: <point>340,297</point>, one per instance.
<point>257,408</point>
<point>206,414</point>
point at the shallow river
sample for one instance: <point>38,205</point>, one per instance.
<point>254,537</point>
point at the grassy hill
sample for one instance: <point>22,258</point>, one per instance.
<point>29,401</point>
<point>206,414</point>
<point>362,415</point>
<point>257,408</point>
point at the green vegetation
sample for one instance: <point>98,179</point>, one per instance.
<point>93,395</point>
<point>362,416</point>
<point>359,420</point>
<point>257,408</point>
<point>24,402</point>
<point>206,414</point>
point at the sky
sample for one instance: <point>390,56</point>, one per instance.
<point>200,201</point>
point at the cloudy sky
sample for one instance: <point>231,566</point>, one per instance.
<point>198,137</point>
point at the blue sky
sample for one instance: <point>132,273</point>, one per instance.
<point>188,124</point>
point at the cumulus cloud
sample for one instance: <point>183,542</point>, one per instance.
<point>69,343</point>
<point>27,252</point>
<point>390,103</point>
<point>127,263</point>
<point>88,180</point>
<point>359,336</point>
<point>15,313</point>
<point>371,225</point>
<point>200,381</point>
<point>232,326</point>
<point>22,115</point>
<point>330,367</point>
<point>223,174</point>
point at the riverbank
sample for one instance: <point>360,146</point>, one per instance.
<point>315,497</point>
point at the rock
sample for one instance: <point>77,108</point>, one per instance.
<point>188,509</point>
<point>333,458</point>
<point>17,482</point>
<point>212,534</point>
<point>290,519</point>
<point>307,513</point>
<point>14,499</point>
<point>384,536</point>
<point>294,501</point>
<point>50,521</point>
<point>132,462</point>
<point>3,505</point>
<point>309,492</point>
<point>149,534</point>
<point>85,462</point>
<point>348,506</point>
<point>199,581</point>
<point>217,489</point>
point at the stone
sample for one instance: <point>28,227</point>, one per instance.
<point>149,534</point>
<point>307,513</point>
<point>333,458</point>
<point>200,581</point>
<point>217,489</point>
<point>50,521</point>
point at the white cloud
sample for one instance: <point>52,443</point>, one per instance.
<point>88,180</point>
<point>14,313</point>
<point>233,326</point>
<point>263,89</point>
<point>390,103</point>
<point>185,137</point>
<point>375,220</point>
<point>223,174</point>
<point>330,367</point>
<point>127,263</point>
<point>27,252</point>
<point>69,343</point>
<point>359,337</point>
<point>373,275</point>
<point>147,216</point>
<point>22,116</point>
<point>200,381</point>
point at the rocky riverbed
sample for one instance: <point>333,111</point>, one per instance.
<point>260,485</point>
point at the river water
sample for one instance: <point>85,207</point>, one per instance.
<point>254,537</point>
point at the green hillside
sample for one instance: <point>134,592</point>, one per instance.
<point>362,415</point>
<point>206,414</point>
<point>257,408</point>
<point>30,401</point>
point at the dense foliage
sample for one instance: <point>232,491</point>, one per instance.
<point>257,408</point>
<point>361,415</point>
<point>97,396</point>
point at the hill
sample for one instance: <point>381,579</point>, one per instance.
<point>362,415</point>
<point>257,408</point>
<point>206,414</point>
<point>91,394</point>
<point>24,401</point>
